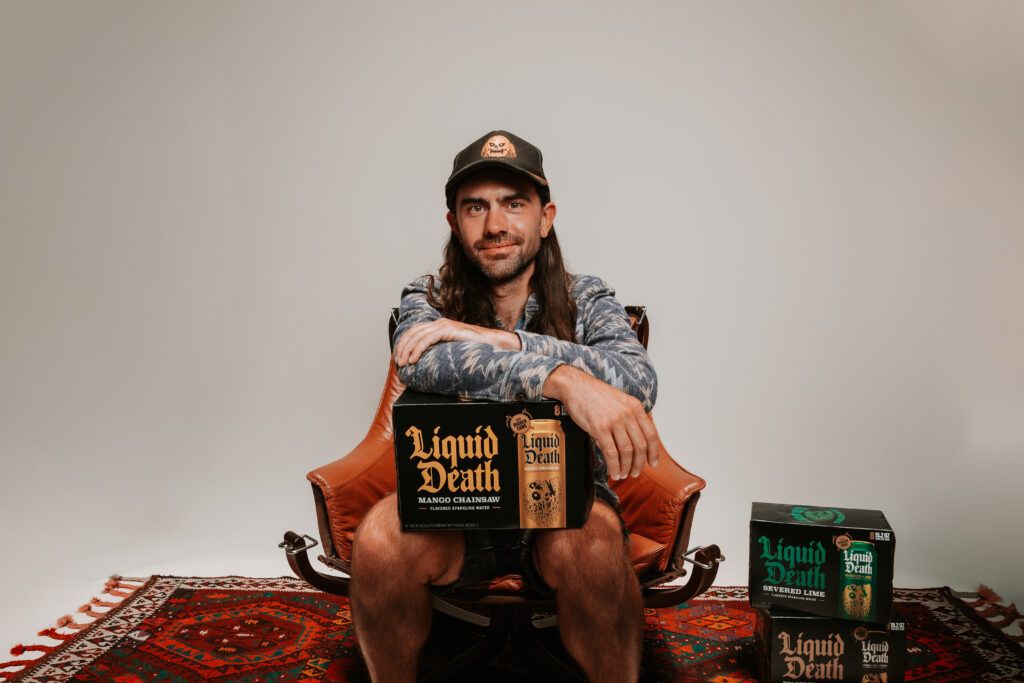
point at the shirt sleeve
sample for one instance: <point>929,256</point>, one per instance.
<point>609,349</point>
<point>470,369</point>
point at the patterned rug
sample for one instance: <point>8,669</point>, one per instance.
<point>172,629</point>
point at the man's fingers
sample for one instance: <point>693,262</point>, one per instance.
<point>405,351</point>
<point>425,341</point>
<point>404,344</point>
<point>421,336</point>
<point>611,455</point>
<point>636,435</point>
<point>625,448</point>
<point>653,442</point>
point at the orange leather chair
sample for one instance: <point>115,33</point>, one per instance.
<point>657,506</point>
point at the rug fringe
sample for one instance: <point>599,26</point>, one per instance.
<point>17,664</point>
<point>89,611</point>
<point>103,603</point>
<point>55,634</point>
<point>67,621</point>
<point>991,610</point>
<point>19,649</point>
<point>989,594</point>
<point>1002,617</point>
<point>117,586</point>
<point>133,579</point>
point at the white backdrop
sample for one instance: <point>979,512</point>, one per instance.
<point>207,210</point>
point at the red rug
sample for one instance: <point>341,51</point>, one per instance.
<point>235,629</point>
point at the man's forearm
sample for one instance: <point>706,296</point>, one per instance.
<point>500,339</point>
<point>561,382</point>
<point>621,362</point>
<point>479,370</point>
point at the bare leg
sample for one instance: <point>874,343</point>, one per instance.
<point>600,609</point>
<point>391,571</point>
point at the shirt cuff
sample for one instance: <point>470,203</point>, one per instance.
<point>532,342</point>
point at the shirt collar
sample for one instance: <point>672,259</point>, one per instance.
<point>531,310</point>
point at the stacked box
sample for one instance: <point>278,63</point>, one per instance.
<point>475,464</point>
<point>801,648</point>
<point>830,562</point>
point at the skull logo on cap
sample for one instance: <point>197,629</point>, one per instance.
<point>498,147</point>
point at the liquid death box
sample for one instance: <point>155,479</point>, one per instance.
<point>833,562</point>
<point>475,464</point>
<point>798,648</point>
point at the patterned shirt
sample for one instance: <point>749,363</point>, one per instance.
<point>608,350</point>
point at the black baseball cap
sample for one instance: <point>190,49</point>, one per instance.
<point>498,149</point>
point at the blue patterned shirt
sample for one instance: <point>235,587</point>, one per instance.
<point>608,350</point>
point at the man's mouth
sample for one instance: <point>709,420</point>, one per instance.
<point>495,246</point>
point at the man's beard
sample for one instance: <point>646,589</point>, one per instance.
<point>503,270</point>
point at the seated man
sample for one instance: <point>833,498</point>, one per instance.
<point>505,321</point>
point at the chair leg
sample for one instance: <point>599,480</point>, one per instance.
<point>494,637</point>
<point>295,548</point>
<point>527,639</point>
<point>703,575</point>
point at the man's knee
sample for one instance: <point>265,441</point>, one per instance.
<point>378,536</point>
<point>596,549</point>
<point>380,546</point>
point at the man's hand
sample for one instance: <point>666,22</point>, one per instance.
<point>624,432</point>
<point>422,336</point>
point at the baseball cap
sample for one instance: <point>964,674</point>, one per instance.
<point>497,149</point>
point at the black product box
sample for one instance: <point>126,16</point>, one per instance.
<point>796,648</point>
<point>833,562</point>
<point>476,464</point>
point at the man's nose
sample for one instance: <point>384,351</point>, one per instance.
<point>495,223</point>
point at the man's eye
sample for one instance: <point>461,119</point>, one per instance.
<point>516,204</point>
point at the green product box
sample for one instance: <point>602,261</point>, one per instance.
<point>833,562</point>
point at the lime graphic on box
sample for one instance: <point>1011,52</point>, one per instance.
<point>802,513</point>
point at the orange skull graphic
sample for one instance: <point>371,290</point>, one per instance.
<point>498,147</point>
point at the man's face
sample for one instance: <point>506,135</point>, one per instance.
<point>500,222</point>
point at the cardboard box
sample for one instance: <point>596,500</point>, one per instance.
<point>833,562</point>
<point>796,648</point>
<point>474,464</point>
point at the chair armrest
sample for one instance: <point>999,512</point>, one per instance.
<point>349,487</point>
<point>655,504</point>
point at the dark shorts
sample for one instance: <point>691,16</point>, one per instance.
<point>494,553</point>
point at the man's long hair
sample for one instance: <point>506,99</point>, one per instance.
<point>465,292</point>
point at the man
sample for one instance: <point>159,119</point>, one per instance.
<point>505,321</point>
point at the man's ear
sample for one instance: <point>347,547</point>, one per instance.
<point>547,218</point>
<point>453,224</point>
